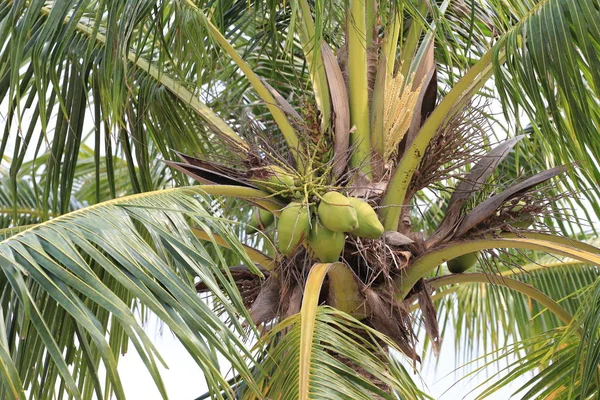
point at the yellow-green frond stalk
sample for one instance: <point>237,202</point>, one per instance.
<point>399,109</point>
<point>312,51</point>
<point>390,41</point>
<point>359,87</point>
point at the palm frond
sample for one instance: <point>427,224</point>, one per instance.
<point>550,74</point>
<point>341,346</point>
<point>548,359</point>
<point>492,316</point>
<point>68,281</point>
<point>95,75</point>
<point>588,349</point>
<point>20,204</point>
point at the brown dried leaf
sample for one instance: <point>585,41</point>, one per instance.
<point>295,302</point>
<point>207,174</point>
<point>471,183</point>
<point>489,207</point>
<point>394,238</point>
<point>430,319</point>
<point>388,319</point>
<point>341,110</point>
<point>265,307</point>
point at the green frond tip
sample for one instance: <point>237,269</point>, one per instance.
<point>342,364</point>
<point>551,74</point>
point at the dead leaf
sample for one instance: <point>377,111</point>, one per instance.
<point>265,307</point>
<point>394,238</point>
<point>489,207</point>
<point>430,319</point>
<point>470,184</point>
<point>340,108</point>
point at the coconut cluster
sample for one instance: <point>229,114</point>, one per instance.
<point>321,224</point>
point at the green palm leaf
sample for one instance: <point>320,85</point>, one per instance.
<point>338,350</point>
<point>87,269</point>
<point>550,73</point>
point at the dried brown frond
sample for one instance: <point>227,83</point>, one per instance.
<point>430,317</point>
<point>375,262</point>
<point>265,305</point>
<point>529,207</point>
<point>248,284</point>
<point>392,318</point>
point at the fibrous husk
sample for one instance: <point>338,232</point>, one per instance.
<point>392,319</point>
<point>430,319</point>
<point>265,307</point>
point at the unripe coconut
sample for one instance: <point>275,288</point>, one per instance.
<point>462,263</point>
<point>368,222</point>
<point>325,244</point>
<point>336,213</point>
<point>260,220</point>
<point>293,227</point>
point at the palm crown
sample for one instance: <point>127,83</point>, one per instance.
<point>317,131</point>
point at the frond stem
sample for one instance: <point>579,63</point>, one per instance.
<point>428,262</point>
<point>527,290</point>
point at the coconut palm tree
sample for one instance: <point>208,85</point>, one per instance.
<point>148,147</point>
